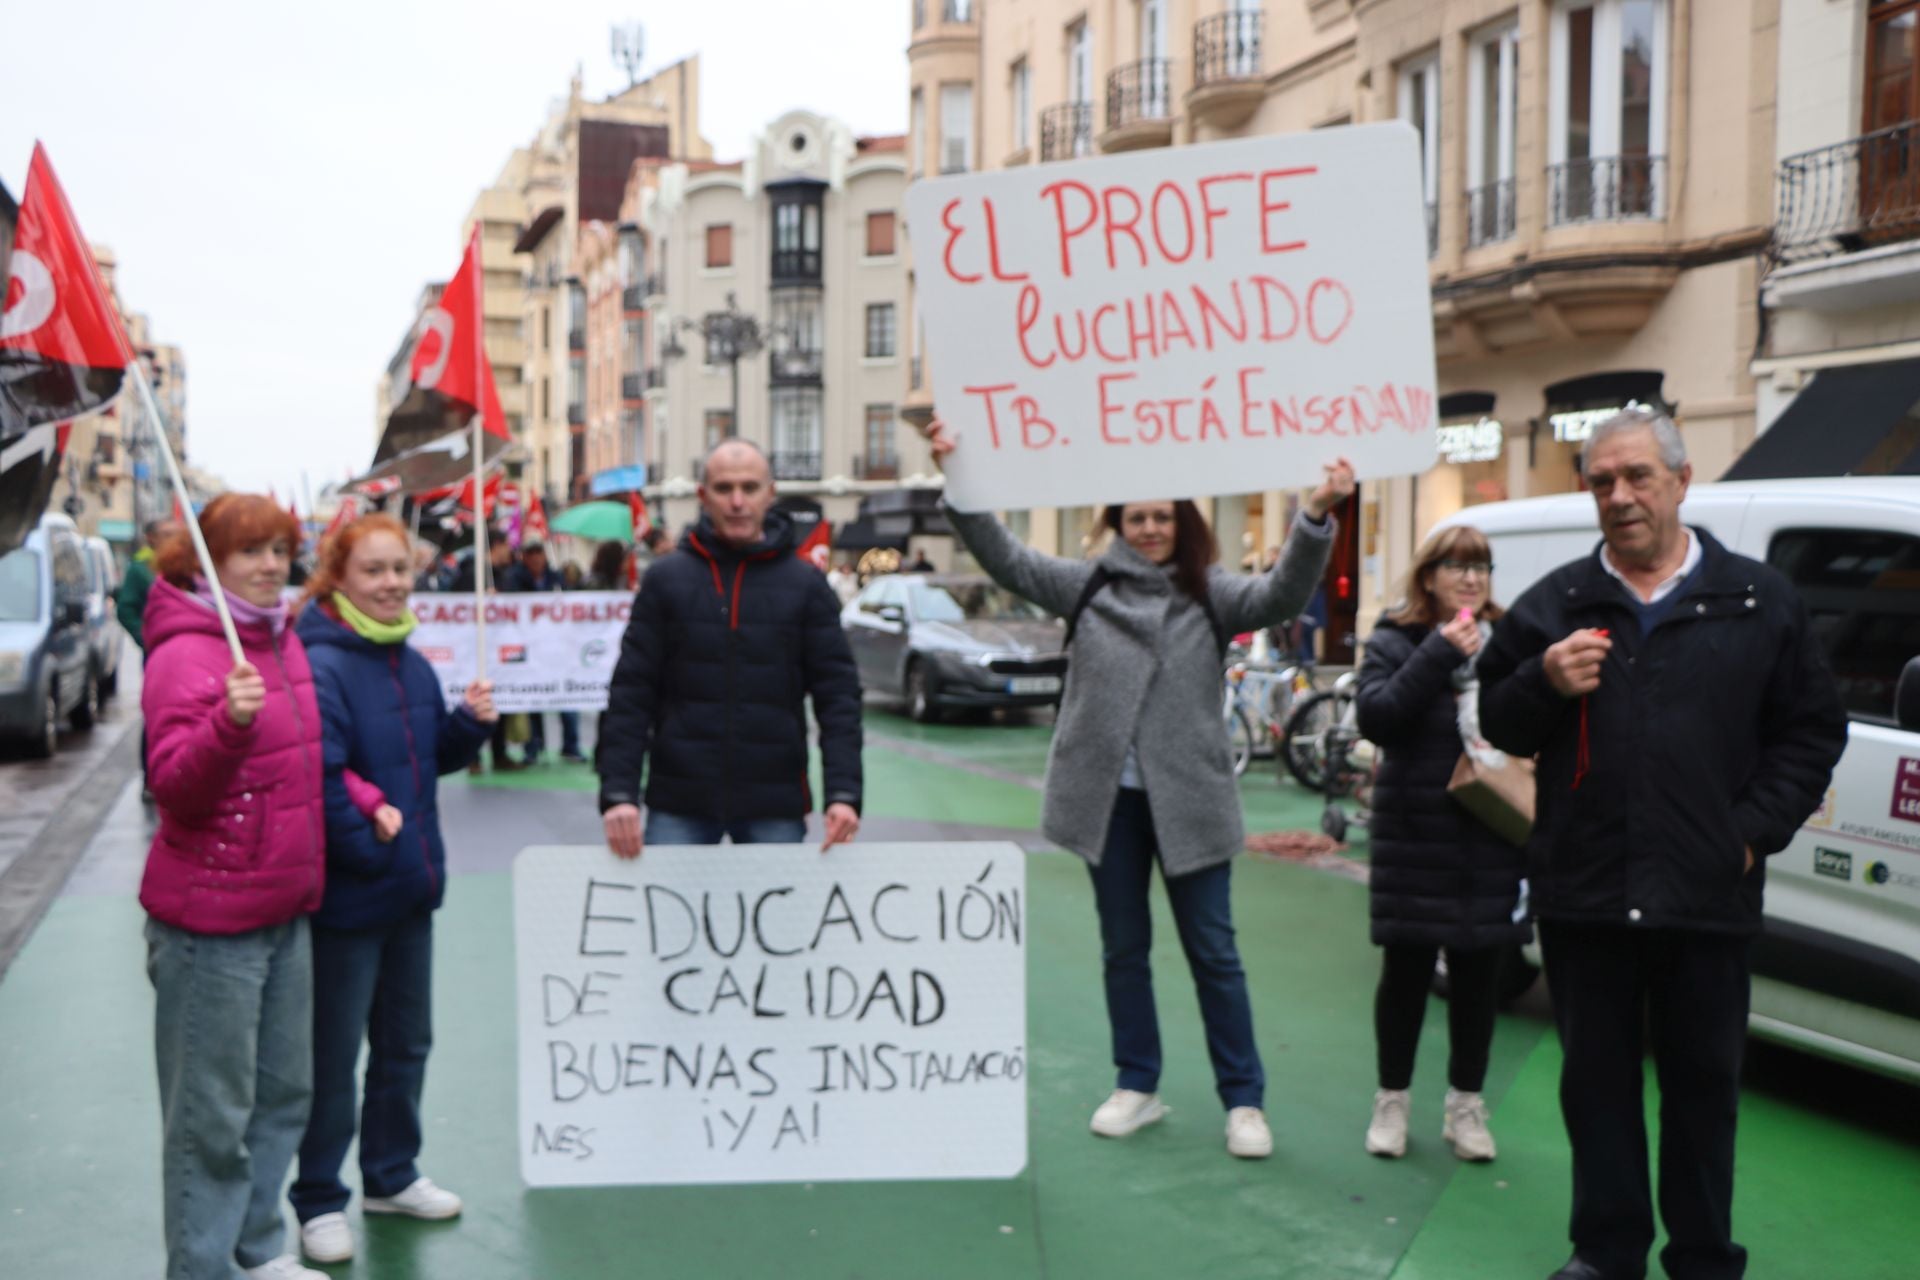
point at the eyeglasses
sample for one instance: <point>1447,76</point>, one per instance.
<point>1464,567</point>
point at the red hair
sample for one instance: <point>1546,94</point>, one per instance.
<point>338,549</point>
<point>231,522</point>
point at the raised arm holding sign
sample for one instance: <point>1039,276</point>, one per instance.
<point>1236,315</point>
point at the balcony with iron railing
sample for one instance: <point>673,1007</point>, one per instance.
<point>790,465</point>
<point>1229,68</point>
<point>633,298</point>
<point>1139,106</point>
<point>790,365</point>
<point>632,386</point>
<point>655,285</point>
<point>576,415</point>
<point>576,340</point>
<point>876,466</point>
<point>1066,131</point>
<point>1856,195</point>
<point>796,267</point>
<point>1491,213</point>
<point>1606,189</point>
<point>956,13</point>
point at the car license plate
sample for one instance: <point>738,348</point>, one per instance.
<point>1034,684</point>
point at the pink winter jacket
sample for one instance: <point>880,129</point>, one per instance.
<point>242,837</point>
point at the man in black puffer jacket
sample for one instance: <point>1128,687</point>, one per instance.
<point>1686,725</point>
<point>730,634</point>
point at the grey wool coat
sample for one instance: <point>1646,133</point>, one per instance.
<point>1145,671</point>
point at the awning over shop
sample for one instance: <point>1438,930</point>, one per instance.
<point>1856,420</point>
<point>869,532</point>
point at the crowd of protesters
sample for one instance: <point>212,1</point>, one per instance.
<point>298,857</point>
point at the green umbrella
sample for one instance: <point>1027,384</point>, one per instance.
<point>599,521</point>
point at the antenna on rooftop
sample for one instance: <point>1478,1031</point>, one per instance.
<point>629,49</point>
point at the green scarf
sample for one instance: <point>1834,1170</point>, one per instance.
<point>367,628</point>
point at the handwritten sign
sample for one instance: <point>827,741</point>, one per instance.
<point>547,651</point>
<point>1211,319</point>
<point>761,1013</point>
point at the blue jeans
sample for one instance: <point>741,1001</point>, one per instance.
<point>674,828</point>
<point>376,985</point>
<point>537,734</point>
<point>1203,913</point>
<point>233,1040</point>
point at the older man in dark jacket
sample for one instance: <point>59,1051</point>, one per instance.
<point>730,634</point>
<point>1686,725</point>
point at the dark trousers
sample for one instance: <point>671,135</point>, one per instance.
<point>1400,1007</point>
<point>497,743</point>
<point>1616,990</point>
<point>1203,913</point>
<point>537,734</point>
<point>373,985</point>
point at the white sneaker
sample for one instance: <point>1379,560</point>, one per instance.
<point>421,1200</point>
<point>1247,1134</point>
<point>285,1267</point>
<point>1466,1126</point>
<point>1126,1111</point>
<point>326,1238</point>
<point>1387,1131</point>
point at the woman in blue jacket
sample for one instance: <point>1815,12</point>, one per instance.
<point>385,726</point>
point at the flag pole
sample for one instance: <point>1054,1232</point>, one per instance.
<point>479,555</point>
<point>139,372</point>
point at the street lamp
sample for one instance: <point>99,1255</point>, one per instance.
<point>730,336</point>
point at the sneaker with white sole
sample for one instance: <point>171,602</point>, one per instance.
<point>421,1200</point>
<point>1126,1111</point>
<point>326,1238</point>
<point>284,1267</point>
<point>1387,1131</point>
<point>1247,1134</point>
<point>1466,1126</point>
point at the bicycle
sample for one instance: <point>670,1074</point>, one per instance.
<point>1303,747</point>
<point>1255,703</point>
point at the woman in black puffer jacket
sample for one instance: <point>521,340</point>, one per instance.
<point>1440,877</point>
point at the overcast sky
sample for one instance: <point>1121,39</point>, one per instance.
<point>278,181</point>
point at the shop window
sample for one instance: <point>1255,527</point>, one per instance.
<point>1862,592</point>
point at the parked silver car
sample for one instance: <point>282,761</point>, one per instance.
<point>941,641</point>
<point>46,661</point>
<point>105,635</point>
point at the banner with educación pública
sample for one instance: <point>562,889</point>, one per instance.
<point>546,651</point>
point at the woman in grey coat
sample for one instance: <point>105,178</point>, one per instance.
<point>1139,769</point>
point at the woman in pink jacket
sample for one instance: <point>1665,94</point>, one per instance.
<point>235,868</point>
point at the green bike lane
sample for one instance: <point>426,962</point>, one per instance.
<point>1821,1189</point>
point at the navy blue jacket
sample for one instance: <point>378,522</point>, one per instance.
<point>1714,734</point>
<point>383,716</point>
<point>724,647</point>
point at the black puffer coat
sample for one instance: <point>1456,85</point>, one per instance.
<point>709,696</point>
<point>1439,876</point>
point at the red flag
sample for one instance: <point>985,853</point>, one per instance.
<point>449,369</point>
<point>179,512</point>
<point>63,352</point>
<point>533,526</point>
<point>818,546</point>
<point>349,511</point>
<point>642,522</point>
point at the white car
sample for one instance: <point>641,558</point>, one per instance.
<point>1837,969</point>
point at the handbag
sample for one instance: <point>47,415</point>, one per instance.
<point>1500,796</point>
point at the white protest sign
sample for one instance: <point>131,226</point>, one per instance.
<point>1212,319</point>
<point>547,651</point>
<point>764,1013</point>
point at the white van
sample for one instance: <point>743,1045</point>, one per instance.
<point>1837,969</point>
